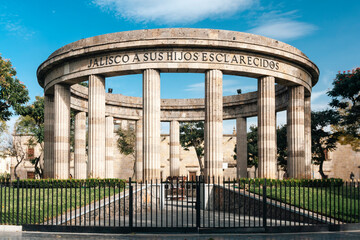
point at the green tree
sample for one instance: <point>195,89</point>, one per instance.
<point>281,145</point>
<point>13,93</point>
<point>252,147</point>
<point>192,135</point>
<point>346,100</point>
<point>323,140</point>
<point>126,142</point>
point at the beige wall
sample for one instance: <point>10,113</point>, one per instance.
<point>341,163</point>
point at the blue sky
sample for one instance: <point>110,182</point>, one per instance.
<point>327,31</point>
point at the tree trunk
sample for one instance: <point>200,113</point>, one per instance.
<point>15,169</point>
<point>323,176</point>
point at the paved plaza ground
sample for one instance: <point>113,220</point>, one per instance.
<point>72,236</point>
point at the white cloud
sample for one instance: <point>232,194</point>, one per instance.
<point>281,26</point>
<point>173,11</point>
<point>14,26</point>
<point>196,87</point>
<point>229,87</point>
<point>316,95</point>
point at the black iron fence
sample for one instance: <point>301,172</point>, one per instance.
<point>179,203</point>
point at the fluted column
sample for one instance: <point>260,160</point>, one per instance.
<point>49,136</point>
<point>174,149</point>
<point>296,132</point>
<point>151,124</point>
<point>213,124</point>
<point>307,114</point>
<point>109,144</point>
<point>96,152</point>
<point>80,146</point>
<point>266,127</point>
<point>241,148</point>
<point>139,150</point>
<point>61,131</point>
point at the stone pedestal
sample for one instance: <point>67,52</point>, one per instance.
<point>96,162</point>
<point>48,136</point>
<point>213,124</point>
<point>151,124</point>
<point>296,133</point>
<point>307,115</point>
<point>80,146</point>
<point>174,149</point>
<point>266,127</point>
<point>241,148</point>
<point>109,151</point>
<point>61,131</point>
<point>139,151</point>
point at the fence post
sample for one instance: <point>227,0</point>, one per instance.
<point>17,201</point>
<point>197,204</point>
<point>130,204</point>
<point>264,204</point>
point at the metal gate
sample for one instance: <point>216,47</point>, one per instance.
<point>179,205</point>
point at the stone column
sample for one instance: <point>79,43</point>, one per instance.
<point>61,131</point>
<point>96,146</point>
<point>48,136</point>
<point>109,152</point>
<point>295,133</point>
<point>213,124</point>
<point>307,114</point>
<point>151,124</point>
<point>174,149</point>
<point>241,148</point>
<point>266,127</point>
<point>139,151</point>
<point>80,146</point>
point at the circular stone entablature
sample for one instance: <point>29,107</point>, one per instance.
<point>178,50</point>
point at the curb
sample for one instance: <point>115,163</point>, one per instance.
<point>10,228</point>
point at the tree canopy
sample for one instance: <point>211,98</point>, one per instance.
<point>13,93</point>
<point>323,139</point>
<point>345,96</point>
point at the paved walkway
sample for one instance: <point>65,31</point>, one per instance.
<point>287,236</point>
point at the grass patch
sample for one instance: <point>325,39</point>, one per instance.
<point>338,202</point>
<point>40,204</point>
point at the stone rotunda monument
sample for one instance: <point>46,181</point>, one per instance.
<point>285,78</point>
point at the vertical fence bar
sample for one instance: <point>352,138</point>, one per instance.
<point>151,202</point>
<point>346,202</point>
<point>146,202</point>
<point>264,204</point>
<point>197,205</point>
<point>43,188</point>
<point>177,202</point>
<point>119,203</point>
<point>156,202</point>
<point>131,210</point>
<point>182,201</point>
<point>141,197</point>
<point>239,183</point>
<point>124,213</point>
<point>61,193</point>
<point>358,201</point>
<point>234,199</point>
<point>104,201</point>
<point>1,201</point>
<point>229,201</point>
<point>17,201</point>
<point>271,201</point>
